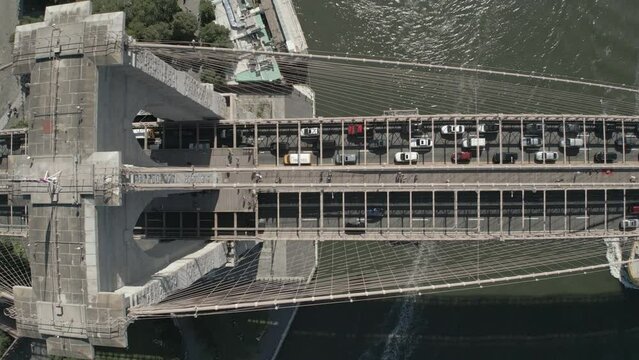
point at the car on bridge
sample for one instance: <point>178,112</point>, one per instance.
<point>473,143</point>
<point>571,128</point>
<point>375,213</point>
<point>377,146</point>
<point>609,129</point>
<point>283,148</point>
<point>421,143</point>
<point>358,130</point>
<point>415,129</point>
<point>534,129</point>
<point>346,159</point>
<point>453,129</point>
<point>303,158</point>
<point>505,158</point>
<point>488,128</point>
<point>546,156</point>
<point>629,141</point>
<point>406,157</point>
<point>571,143</point>
<point>531,141</point>
<point>309,132</point>
<point>355,226</point>
<point>601,157</point>
<point>629,224</point>
<point>461,157</point>
<point>327,146</point>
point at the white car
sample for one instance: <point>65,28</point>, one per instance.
<point>421,143</point>
<point>548,156</point>
<point>309,132</point>
<point>629,224</point>
<point>473,143</point>
<point>571,142</point>
<point>529,141</point>
<point>453,129</point>
<point>406,157</point>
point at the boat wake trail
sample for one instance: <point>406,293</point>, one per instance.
<point>400,344</point>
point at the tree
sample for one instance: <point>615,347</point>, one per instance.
<point>184,26</point>
<point>4,342</point>
<point>31,19</point>
<point>212,77</point>
<point>216,35</point>
<point>207,11</point>
<point>149,12</point>
<point>107,6</point>
<point>158,31</point>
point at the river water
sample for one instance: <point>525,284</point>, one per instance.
<point>577,317</point>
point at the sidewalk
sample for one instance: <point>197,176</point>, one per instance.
<point>9,86</point>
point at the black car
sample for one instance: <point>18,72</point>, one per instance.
<point>533,129</point>
<point>375,213</point>
<point>416,129</point>
<point>629,142</point>
<point>488,128</point>
<point>283,148</point>
<point>571,128</point>
<point>377,145</point>
<point>355,226</point>
<point>508,158</point>
<point>328,147</point>
<point>611,127</point>
<point>608,158</point>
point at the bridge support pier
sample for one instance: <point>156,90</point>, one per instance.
<point>287,260</point>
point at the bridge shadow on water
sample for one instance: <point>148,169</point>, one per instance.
<point>498,323</point>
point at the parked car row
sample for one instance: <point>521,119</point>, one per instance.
<point>506,157</point>
<point>530,129</point>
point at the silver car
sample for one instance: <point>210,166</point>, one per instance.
<point>421,143</point>
<point>629,224</point>
<point>347,159</point>
<point>531,141</point>
<point>571,142</point>
<point>453,129</point>
<point>309,132</point>
<point>547,156</point>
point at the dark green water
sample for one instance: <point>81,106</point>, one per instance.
<point>580,317</point>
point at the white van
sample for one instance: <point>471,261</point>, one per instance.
<point>303,158</point>
<point>473,143</point>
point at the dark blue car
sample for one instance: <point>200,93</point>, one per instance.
<point>375,212</point>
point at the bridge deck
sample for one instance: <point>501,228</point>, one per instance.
<point>410,215</point>
<point>380,138</point>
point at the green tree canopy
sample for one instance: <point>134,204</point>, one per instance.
<point>215,34</point>
<point>158,31</point>
<point>5,341</point>
<point>149,12</point>
<point>207,11</point>
<point>106,6</point>
<point>184,26</point>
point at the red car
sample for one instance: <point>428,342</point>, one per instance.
<point>358,130</point>
<point>463,156</point>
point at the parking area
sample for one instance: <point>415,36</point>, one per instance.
<point>422,142</point>
<point>469,212</point>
